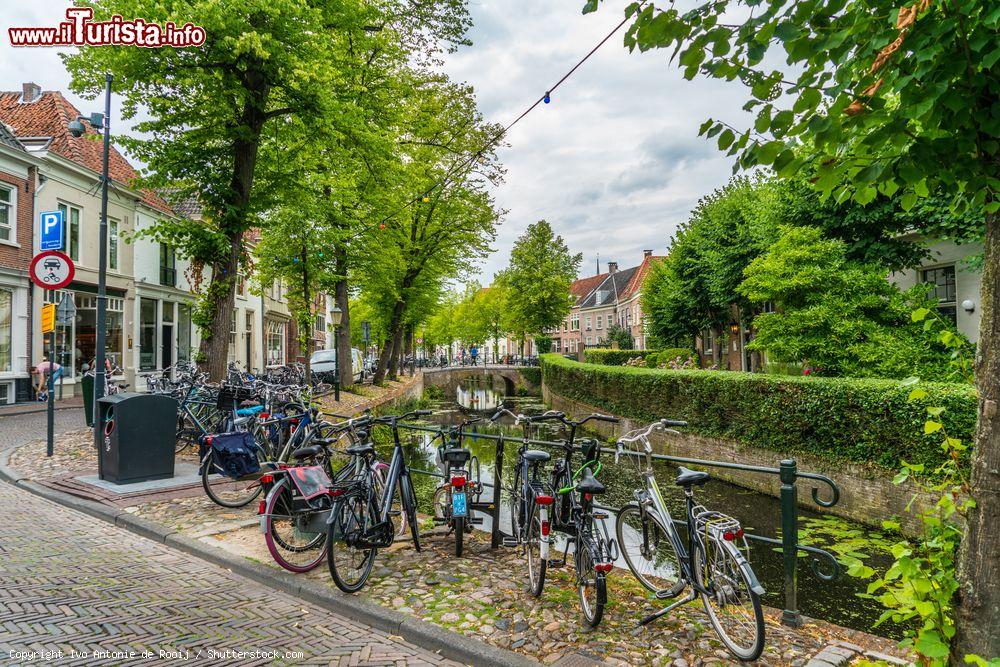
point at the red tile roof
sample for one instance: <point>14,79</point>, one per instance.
<point>584,286</point>
<point>640,275</point>
<point>48,116</point>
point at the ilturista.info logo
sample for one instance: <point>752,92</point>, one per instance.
<point>79,29</point>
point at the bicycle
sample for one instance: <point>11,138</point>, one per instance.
<point>461,482</point>
<point>712,563</point>
<point>594,552</point>
<point>360,520</point>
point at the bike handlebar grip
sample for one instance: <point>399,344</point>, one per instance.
<point>673,422</point>
<point>606,418</point>
<point>497,415</point>
<point>422,413</point>
<point>547,416</point>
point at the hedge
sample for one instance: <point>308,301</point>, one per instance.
<point>609,357</point>
<point>654,359</point>
<point>865,421</point>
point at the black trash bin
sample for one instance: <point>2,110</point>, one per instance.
<point>139,437</point>
<point>88,398</point>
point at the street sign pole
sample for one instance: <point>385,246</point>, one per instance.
<point>102,275</point>
<point>50,431</point>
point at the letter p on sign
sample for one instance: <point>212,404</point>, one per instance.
<point>52,230</point>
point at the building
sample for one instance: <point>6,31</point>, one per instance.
<point>18,177</point>
<point>603,301</point>
<point>69,180</point>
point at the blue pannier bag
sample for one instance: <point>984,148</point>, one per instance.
<point>233,454</point>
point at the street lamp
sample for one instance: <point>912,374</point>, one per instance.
<point>98,122</point>
<point>336,315</point>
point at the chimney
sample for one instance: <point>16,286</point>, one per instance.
<point>30,92</point>
<point>612,267</point>
<point>647,253</point>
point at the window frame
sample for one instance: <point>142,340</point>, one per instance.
<point>72,230</point>
<point>11,206</point>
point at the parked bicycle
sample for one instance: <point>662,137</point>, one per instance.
<point>461,486</point>
<point>360,521</point>
<point>712,562</point>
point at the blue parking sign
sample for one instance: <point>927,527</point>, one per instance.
<point>52,230</point>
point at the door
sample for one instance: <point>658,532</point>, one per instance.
<point>167,346</point>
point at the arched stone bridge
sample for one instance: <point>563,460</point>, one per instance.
<point>513,377</point>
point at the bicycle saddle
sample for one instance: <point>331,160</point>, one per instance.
<point>305,452</point>
<point>456,456</point>
<point>589,483</point>
<point>687,477</point>
<point>536,456</point>
<point>360,449</point>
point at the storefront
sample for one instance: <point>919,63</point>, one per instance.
<point>14,363</point>
<point>76,340</point>
<point>164,333</point>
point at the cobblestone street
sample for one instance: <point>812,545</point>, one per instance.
<point>69,582</point>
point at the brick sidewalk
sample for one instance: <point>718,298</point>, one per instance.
<point>70,582</point>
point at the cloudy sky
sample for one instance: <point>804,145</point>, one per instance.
<point>614,163</point>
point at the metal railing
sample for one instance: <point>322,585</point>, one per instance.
<point>787,472</point>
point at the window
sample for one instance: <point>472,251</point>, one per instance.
<point>275,343</point>
<point>588,322</point>
<point>168,266</point>
<point>8,214</point>
<point>320,323</point>
<point>575,322</point>
<point>71,218</point>
<point>84,331</point>
<point>706,341</point>
<point>241,285</point>
<point>600,321</point>
<point>112,244</point>
<point>942,279</point>
<point>232,337</point>
<point>147,334</point>
<point>589,340</point>
<point>6,331</point>
<point>183,332</point>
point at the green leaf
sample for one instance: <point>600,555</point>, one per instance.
<point>590,6</point>
<point>929,644</point>
<point>919,314</point>
<point>931,426</point>
<point>917,394</point>
<point>726,139</point>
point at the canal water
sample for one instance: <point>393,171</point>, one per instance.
<point>840,601</point>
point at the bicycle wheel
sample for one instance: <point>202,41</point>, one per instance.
<point>533,552</point>
<point>409,505</point>
<point>648,551</point>
<point>286,533</point>
<point>733,608</point>
<point>185,433</point>
<point>226,491</point>
<point>395,509</point>
<point>350,560</point>
<point>591,585</point>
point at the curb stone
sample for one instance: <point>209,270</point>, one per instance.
<point>421,633</point>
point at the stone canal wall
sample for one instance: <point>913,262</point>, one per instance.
<point>867,493</point>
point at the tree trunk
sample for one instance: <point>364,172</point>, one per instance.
<point>391,344</point>
<point>977,616</point>
<point>214,347</point>
<point>397,352</point>
<point>307,316</point>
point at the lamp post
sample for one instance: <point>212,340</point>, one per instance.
<point>336,315</point>
<point>98,122</point>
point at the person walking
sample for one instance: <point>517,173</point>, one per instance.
<point>474,352</point>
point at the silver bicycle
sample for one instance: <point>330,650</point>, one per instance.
<point>712,562</point>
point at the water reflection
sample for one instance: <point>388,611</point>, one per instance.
<point>835,601</point>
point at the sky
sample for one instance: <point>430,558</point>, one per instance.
<point>614,162</point>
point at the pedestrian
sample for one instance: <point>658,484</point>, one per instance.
<point>41,370</point>
<point>474,352</point>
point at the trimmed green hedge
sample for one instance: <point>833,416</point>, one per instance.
<point>609,357</point>
<point>654,359</point>
<point>859,420</point>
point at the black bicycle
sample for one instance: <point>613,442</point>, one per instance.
<point>360,520</point>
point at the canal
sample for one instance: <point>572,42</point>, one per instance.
<point>842,601</point>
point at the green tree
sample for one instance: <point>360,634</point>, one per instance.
<point>879,97</point>
<point>617,334</point>
<point>838,317</point>
<point>209,108</point>
<point>538,279</point>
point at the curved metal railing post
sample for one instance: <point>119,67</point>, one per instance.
<point>789,541</point>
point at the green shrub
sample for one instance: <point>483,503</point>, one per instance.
<point>609,357</point>
<point>532,375</point>
<point>858,420</point>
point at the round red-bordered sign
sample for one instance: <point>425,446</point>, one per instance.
<point>51,269</point>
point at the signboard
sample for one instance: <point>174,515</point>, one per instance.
<point>48,318</point>
<point>366,330</point>
<point>420,341</point>
<point>51,269</point>
<point>52,230</point>
<point>66,312</point>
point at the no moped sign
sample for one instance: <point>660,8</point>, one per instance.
<point>51,270</point>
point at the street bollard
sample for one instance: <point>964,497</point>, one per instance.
<point>789,542</point>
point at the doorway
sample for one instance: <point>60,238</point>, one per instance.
<point>167,346</point>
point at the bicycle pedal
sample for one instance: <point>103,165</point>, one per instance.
<point>664,594</point>
<point>509,542</point>
<point>601,515</point>
<point>556,563</point>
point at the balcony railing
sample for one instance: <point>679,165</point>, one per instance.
<point>168,276</point>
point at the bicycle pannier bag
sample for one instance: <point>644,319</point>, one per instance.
<point>234,454</point>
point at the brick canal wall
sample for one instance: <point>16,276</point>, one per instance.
<point>867,493</point>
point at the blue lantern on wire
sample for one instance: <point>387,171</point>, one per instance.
<point>546,99</point>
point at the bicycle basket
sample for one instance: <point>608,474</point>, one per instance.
<point>234,455</point>
<point>311,481</point>
<point>231,396</point>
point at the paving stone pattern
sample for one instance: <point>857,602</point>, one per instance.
<point>70,582</point>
